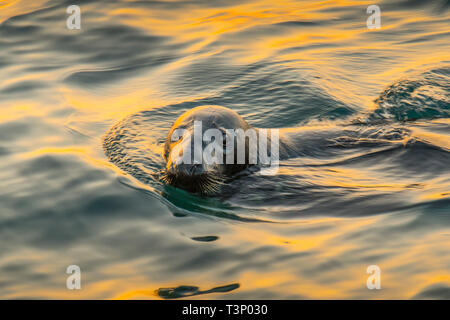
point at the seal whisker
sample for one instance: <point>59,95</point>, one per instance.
<point>207,183</point>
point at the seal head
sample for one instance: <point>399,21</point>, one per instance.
<point>188,166</point>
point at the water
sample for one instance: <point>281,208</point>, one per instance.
<point>83,115</point>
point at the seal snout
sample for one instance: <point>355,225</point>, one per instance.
<point>193,178</point>
<point>185,170</point>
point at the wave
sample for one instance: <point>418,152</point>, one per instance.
<point>424,96</point>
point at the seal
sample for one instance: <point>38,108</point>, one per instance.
<point>209,145</point>
<point>190,166</point>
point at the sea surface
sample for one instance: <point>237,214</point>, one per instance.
<point>84,113</point>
